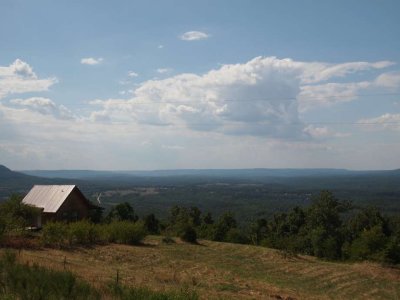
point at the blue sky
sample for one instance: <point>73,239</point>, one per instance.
<point>199,84</point>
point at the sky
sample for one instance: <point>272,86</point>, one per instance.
<point>142,85</point>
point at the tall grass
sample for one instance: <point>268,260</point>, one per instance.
<point>18,281</point>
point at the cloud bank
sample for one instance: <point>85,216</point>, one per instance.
<point>248,114</point>
<point>262,97</point>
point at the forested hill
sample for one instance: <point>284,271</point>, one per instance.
<point>8,176</point>
<point>12,182</point>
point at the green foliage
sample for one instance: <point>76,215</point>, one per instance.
<point>15,216</point>
<point>125,232</point>
<point>55,234</point>
<point>225,223</point>
<point>152,224</point>
<point>236,235</point>
<point>187,233</point>
<point>208,219</point>
<point>122,212</point>
<point>83,233</point>
<point>369,245</point>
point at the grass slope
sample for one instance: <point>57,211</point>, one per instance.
<point>223,271</point>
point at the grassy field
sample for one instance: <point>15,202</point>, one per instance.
<point>222,271</point>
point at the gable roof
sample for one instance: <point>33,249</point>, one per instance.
<point>48,197</point>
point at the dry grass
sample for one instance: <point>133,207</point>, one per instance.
<point>223,271</point>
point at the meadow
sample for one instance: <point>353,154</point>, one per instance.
<point>216,270</point>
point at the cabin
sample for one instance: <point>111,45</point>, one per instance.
<point>58,203</point>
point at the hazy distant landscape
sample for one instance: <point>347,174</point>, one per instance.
<point>246,192</point>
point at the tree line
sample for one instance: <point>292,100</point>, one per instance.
<point>329,228</point>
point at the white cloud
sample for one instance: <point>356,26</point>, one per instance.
<point>160,46</point>
<point>44,106</point>
<point>19,78</point>
<point>389,80</point>
<point>323,132</point>
<point>163,70</point>
<point>194,36</point>
<point>317,72</point>
<point>132,74</point>
<point>262,97</point>
<point>386,121</point>
<point>91,61</point>
<point>262,100</point>
<point>314,96</point>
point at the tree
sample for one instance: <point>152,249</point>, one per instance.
<point>122,212</point>
<point>15,215</point>
<point>324,225</point>
<point>225,223</point>
<point>207,219</point>
<point>152,224</point>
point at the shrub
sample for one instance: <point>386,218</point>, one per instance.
<point>187,233</point>
<point>83,233</point>
<point>125,232</point>
<point>235,235</point>
<point>54,234</point>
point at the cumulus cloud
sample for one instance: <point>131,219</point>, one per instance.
<point>262,97</point>
<point>19,77</point>
<point>312,96</point>
<point>194,36</point>
<point>44,106</point>
<point>91,61</point>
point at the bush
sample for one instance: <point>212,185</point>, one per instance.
<point>235,235</point>
<point>187,233</point>
<point>54,234</point>
<point>83,233</point>
<point>125,232</point>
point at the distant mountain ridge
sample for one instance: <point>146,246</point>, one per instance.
<point>17,182</point>
<point>226,173</point>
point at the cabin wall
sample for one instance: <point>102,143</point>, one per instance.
<point>74,208</point>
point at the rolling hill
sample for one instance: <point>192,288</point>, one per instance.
<point>223,271</point>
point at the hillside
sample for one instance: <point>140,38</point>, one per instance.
<point>223,271</point>
<point>12,182</point>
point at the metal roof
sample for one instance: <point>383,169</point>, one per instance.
<point>48,197</point>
